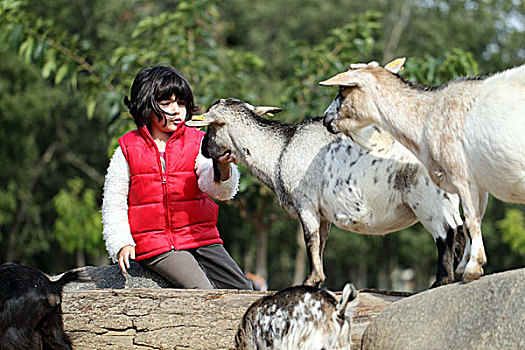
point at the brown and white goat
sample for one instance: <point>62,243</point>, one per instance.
<point>469,134</point>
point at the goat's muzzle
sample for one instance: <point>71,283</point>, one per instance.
<point>328,123</point>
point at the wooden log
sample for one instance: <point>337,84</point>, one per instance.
<point>176,318</point>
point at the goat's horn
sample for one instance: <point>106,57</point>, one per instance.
<point>199,120</point>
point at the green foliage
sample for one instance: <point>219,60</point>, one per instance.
<point>7,204</point>
<point>79,223</point>
<point>353,42</point>
<point>512,228</point>
<point>439,70</point>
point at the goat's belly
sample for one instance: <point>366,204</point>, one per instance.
<point>506,184</point>
<point>375,227</point>
<point>370,221</point>
<point>498,163</point>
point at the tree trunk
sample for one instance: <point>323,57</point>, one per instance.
<point>81,257</point>
<point>175,318</point>
<point>300,258</point>
<point>261,254</point>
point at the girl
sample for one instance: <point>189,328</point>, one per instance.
<point>155,208</point>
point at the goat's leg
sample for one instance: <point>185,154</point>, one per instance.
<point>52,330</point>
<point>324,229</point>
<point>445,266</point>
<point>461,252</point>
<point>460,269</point>
<point>312,241</point>
<point>438,212</point>
<point>473,207</point>
<point>447,239</point>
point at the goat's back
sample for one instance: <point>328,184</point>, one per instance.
<point>30,314</point>
<point>302,161</point>
<point>300,317</point>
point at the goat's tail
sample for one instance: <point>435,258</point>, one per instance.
<point>75,275</point>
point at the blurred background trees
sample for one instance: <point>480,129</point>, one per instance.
<point>66,66</point>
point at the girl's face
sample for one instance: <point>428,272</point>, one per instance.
<point>175,115</point>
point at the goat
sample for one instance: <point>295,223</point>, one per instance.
<point>30,309</point>
<point>295,318</point>
<point>322,178</point>
<point>468,133</point>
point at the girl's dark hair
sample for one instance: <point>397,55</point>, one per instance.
<point>154,84</point>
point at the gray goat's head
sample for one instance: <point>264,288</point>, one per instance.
<point>221,119</point>
<point>353,107</point>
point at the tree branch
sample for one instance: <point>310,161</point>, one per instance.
<point>85,167</point>
<point>397,30</point>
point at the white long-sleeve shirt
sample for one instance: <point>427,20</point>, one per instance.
<point>116,229</point>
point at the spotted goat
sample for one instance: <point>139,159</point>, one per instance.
<point>30,308</point>
<point>468,133</point>
<point>298,318</point>
<point>322,178</point>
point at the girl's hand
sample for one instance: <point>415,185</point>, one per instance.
<point>124,255</point>
<point>224,165</point>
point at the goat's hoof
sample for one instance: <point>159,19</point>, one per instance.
<point>442,282</point>
<point>473,274</point>
<point>309,283</point>
<point>313,282</point>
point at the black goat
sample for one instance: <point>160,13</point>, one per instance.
<point>30,308</point>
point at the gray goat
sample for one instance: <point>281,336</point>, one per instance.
<point>323,178</point>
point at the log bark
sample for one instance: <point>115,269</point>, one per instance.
<point>175,318</point>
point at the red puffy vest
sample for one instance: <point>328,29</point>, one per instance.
<point>167,210</point>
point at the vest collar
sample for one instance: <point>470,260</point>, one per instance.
<point>144,131</point>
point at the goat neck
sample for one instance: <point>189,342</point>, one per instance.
<point>409,111</point>
<point>258,144</point>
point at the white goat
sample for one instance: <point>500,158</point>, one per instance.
<point>323,178</point>
<point>298,318</point>
<point>469,134</point>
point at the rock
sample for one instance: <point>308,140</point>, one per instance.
<point>485,314</point>
<point>111,277</point>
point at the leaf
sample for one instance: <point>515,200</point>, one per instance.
<point>512,228</point>
<point>61,73</point>
<point>49,67</point>
<point>91,104</point>
<point>26,48</point>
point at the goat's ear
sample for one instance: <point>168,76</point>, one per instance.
<point>342,79</point>
<point>266,110</point>
<point>349,294</point>
<point>396,65</point>
<point>200,120</point>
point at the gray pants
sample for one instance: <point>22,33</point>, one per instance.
<point>207,267</point>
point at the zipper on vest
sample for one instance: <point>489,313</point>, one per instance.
<point>166,205</point>
<point>165,193</point>
<point>164,184</point>
<point>164,190</point>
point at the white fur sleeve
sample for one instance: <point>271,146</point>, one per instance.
<point>222,190</point>
<point>116,230</point>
